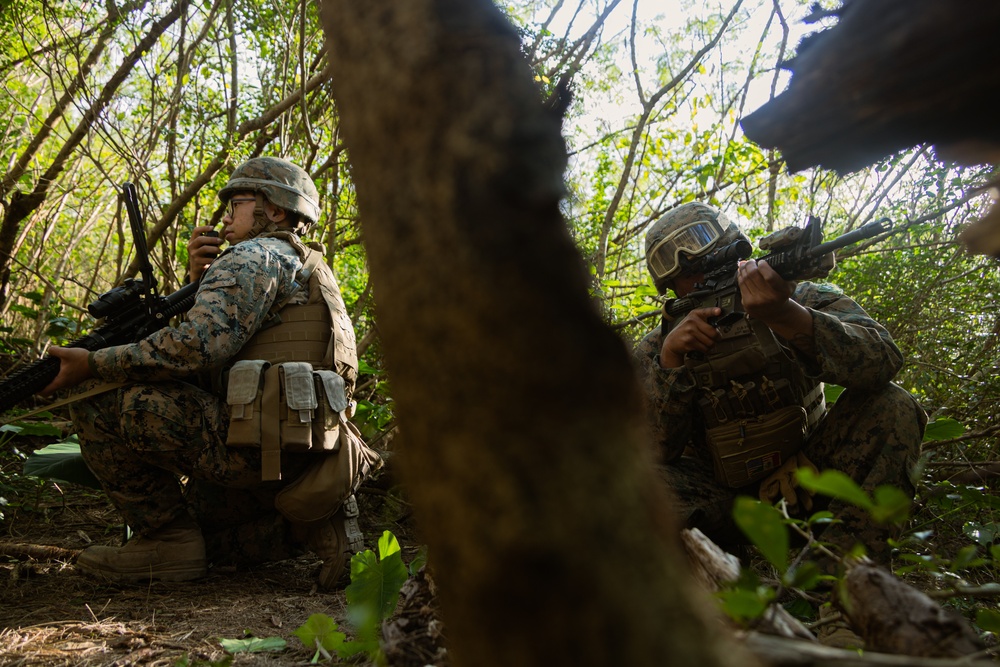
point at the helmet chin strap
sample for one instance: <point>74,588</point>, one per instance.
<point>261,223</point>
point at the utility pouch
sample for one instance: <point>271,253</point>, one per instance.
<point>332,393</point>
<point>746,450</point>
<point>329,480</point>
<point>243,394</point>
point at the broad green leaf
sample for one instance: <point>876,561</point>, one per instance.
<point>988,620</point>
<point>254,644</point>
<point>374,589</point>
<point>60,462</point>
<point>981,534</point>
<point>320,630</point>
<point>765,527</point>
<point>835,484</point>
<point>943,429</point>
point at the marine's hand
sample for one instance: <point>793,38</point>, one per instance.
<point>693,334</point>
<point>202,249</point>
<point>73,368</point>
<point>766,295</point>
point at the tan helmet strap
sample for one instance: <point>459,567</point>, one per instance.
<point>261,223</point>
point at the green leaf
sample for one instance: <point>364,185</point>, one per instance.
<point>982,534</point>
<point>822,517</point>
<point>835,484</point>
<point>254,644</point>
<point>320,630</point>
<point>60,462</point>
<point>943,429</point>
<point>743,604</point>
<point>374,589</point>
<point>891,505</point>
<point>967,557</point>
<point>418,561</point>
<point>805,577</point>
<point>36,428</point>
<point>832,392</point>
<point>801,609</point>
<point>765,527</point>
<point>988,620</point>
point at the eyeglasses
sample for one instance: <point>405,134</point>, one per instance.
<point>693,239</point>
<point>236,201</point>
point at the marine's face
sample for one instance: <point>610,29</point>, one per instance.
<point>238,219</point>
<point>684,283</point>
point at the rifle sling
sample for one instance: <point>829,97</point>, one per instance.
<point>94,391</point>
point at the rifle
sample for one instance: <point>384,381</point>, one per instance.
<point>131,311</point>
<point>796,253</point>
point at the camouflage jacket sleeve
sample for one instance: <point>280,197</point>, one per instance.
<point>852,349</point>
<point>669,398</point>
<point>232,302</point>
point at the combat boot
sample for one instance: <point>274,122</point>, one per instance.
<point>835,630</point>
<point>175,552</point>
<point>335,540</point>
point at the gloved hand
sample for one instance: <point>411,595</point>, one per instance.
<point>782,483</point>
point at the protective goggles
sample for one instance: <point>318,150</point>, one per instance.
<point>693,239</point>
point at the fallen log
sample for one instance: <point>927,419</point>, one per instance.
<point>785,652</point>
<point>894,617</point>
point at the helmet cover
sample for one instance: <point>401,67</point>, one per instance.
<point>284,184</point>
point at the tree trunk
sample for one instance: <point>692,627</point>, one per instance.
<point>524,449</point>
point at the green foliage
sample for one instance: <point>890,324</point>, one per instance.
<point>253,645</point>
<point>765,527</point>
<point>61,462</point>
<point>371,598</point>
<point>943,428</point>
<point>375,583</point>
<point>320,632</point>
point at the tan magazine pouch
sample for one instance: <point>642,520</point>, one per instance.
<point>747,450</point>
<point>244,395</point>
<point>286,406</point>
<point>332,392</point>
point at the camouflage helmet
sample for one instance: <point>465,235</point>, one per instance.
<point>693,229</point>
<point>284,184</point>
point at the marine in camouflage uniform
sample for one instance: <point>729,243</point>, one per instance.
<point>158,443</point>
<point>872,433</point>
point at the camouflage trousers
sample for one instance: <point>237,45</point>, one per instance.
<point>872,436</point>
<point>160,450</point>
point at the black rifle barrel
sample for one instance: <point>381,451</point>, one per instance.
<point>863,232</point>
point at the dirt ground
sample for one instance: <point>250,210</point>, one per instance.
<point>52,614</point>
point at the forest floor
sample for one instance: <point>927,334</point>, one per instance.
<point>52,614</point>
